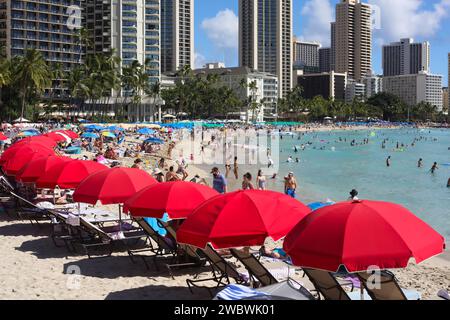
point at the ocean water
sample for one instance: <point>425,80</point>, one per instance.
<point>330,168</point>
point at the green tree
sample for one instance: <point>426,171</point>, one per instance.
<point>31,74</point>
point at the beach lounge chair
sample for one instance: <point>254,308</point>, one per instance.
<point>26,210</point>
<point>388,289</point>
<point>222,272</point>
<point>160,246</point>
<point>93,238</point>
<point>187,257</point>
<point>286,290</point>
<point>255,269</point>
<point>328,287</point>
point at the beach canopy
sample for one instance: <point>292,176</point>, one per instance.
<point>154,141</point>
<point>317,205</point>
<point>21,120</point>
<point>112,186</point>
<point>177,198</point>
<point>361,234</point>
<point>241,219</point>
<point>38,167</point>
<point>68,175</point>
<point>23,151</point>
<point>115,128</point>
<point>146,131</point>
<point>94,127</point>
<point>90,135</point>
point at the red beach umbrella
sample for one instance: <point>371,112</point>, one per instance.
<point>112,186</point>
<point>242,218</point>
<point>3,137</point>
<point>69,133</point>
<point>178,199</point>
<point>69,174</point>
<point>36,168</point>
<point>20,160</point>
<point>25,150</point>
<point>361,234</point>
<point>42,140</point>
<point>56,137</point>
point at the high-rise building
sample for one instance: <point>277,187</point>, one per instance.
<point>42,26</point>
<point>448,80</point>
<point>353,38</point>
<point>129,27</point>
<point>329,85</point>
<point>177,34</point>
<point>306,54</point>
<point>265,39</point>
<point>333,47</point>
<point>416,88</point>
<point>445,99</point>
<point>406,57</point>
<point>325,60</point>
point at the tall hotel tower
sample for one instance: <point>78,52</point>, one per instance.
<point>353,39</point>
<point>177,35</point>
<point>41,25</point>
<point>265,39</point>
<point>130,27</point>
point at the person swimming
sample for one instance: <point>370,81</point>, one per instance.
<point>434,167</point>
<point>388,161</point>
<point>420,163</point>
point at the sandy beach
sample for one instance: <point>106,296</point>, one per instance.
<point>33,268</point>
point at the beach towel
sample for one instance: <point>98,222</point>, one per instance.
<point>238,292</point>
<point>153,222</point>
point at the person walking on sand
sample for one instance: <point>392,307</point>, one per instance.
<point>219,181</point>
<point>247,182</point>
<point>290,185</point>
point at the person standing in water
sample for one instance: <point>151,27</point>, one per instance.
<point>236,168</point>
<point>420,163</point>
<point>290,185</point>
<point>388,161</point>
<point>247,182</point>
<point>434,167</point>
<point>261,181</point>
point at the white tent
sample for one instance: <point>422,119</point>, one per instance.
<point>21,120</point>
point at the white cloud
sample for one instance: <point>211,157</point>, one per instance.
<point>199,60</point>
<point>318,15</point>
<point>408,18</point>
<point>223,29</point>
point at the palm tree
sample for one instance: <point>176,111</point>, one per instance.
<point>5,73</point>
<point>31,73</point>
<point>154,92</point>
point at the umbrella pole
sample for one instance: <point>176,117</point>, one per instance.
<point>362,291</point>
<point>120,217</point>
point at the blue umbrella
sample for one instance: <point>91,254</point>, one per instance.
<point>94,127</point>
<point>317,205</point>
<point>146,131</point>
<point>90,135</point>
<point>115,128</point>
<point>154,141</point>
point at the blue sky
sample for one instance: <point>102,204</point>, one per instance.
<point>216,27</point>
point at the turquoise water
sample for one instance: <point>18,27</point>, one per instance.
<point>324,174</point>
